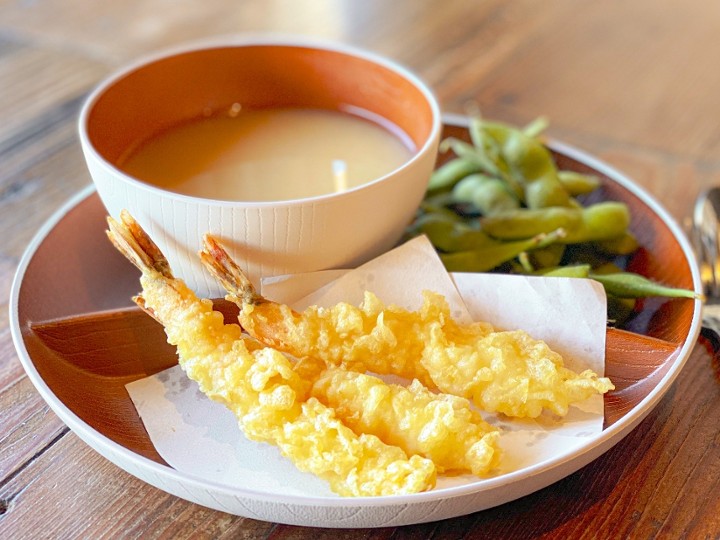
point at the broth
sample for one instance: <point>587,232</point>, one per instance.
<point>269,155</point>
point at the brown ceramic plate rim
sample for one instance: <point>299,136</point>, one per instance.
<point>533,478</point>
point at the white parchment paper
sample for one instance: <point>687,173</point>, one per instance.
<point>201,438</point>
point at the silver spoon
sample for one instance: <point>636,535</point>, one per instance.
<point>706,220</point>
<point>706,240</point>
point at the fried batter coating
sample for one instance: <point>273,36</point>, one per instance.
<point>441,427</point>
<point>507,372</point>
<point>358,338</point>
<point>270,399</point>
<point>444,429</point>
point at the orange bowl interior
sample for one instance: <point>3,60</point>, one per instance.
<point>186,86</point>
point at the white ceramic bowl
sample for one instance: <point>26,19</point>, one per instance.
<point>267,238</point>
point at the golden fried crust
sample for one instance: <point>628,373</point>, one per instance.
<point>507,372</point>
<point>260,385</point>
<point>441,427</point>
<point>272,403</point>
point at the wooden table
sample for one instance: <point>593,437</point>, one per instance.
<point>636,83</point>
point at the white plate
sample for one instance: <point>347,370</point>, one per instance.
<point>70,270</point>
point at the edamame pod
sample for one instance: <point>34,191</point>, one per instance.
<point>531,164</point>
<point>546,191</point>
<point>487,258</point>
<point>573,270</point>
<point>469,152</point>
<point>451,172</point>
<point>451,235</point>
<point>619,310</point>
<point>548,256</point>
<point>576,183</point>
<point>526,223</point>
<point>631,285</point>
<point>599,221</point>
<point>487,194</point>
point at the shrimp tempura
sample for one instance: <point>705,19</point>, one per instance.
<point>507,372</point>
<point>269,398</point>
<point>441,427</point>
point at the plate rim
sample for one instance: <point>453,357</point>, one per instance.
<point>540,473</point>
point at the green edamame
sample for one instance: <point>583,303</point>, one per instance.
<point>530,219</point>
<point>531,165</point>
<point>600,221</point>
<point>536,127</point>
<point>471,153</point>
<point>573,270</point>
<point>525,222</point>
<point>488,257</point>
<point>631,285</point>
<point>450,235</point>
<point>487,194</point>
<point>576,183</point>
<point>450,173</point>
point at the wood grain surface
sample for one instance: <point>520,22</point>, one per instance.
<point>636,83</point>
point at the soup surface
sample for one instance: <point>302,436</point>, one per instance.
<point>269,155</point>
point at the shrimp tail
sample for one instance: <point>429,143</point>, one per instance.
<point>133,242</point>
<point>219,263</point>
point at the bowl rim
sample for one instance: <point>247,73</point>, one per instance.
<point>429,146</point>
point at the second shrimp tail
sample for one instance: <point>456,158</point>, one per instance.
<point>217,260</point>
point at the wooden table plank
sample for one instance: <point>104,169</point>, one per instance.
<point>36,82</point>
<point>27,430</point>
<point>611,74</point>
<point>100,501</point>
<point>42,166</point>
<point>42,189</point>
